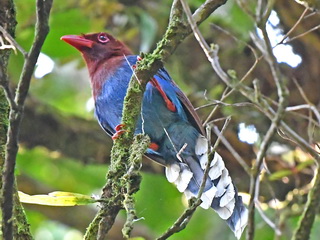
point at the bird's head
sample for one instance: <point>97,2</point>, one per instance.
<point>97,47</point>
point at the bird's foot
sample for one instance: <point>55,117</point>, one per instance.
<point>134,66</point>
<point>119,131</point>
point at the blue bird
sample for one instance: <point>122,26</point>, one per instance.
<point>177,137</point>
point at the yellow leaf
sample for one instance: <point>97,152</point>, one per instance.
<point>62,199</point>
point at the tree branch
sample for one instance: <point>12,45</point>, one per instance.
<point>132,180</point>
<point>311,209</point>
<point>42,29</point>
<point>282,95</point>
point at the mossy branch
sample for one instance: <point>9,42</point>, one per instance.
<point>311,209</point>
<point>13,218</point>
<point>20,227</point>
<point>114,190</point>
<point>132,180</point>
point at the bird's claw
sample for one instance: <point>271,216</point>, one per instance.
<point>119,131</point>
<point>134,66</point>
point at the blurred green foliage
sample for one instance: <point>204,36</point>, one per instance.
<point>140,24</point>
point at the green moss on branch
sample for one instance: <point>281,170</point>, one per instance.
<point>121,157</point>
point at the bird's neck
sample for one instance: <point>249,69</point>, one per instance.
<point>101,71</point>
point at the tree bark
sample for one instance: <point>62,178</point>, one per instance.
<point>8,22</point>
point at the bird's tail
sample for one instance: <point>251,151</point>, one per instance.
<point>219,192</point>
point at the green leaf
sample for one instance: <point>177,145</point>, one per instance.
<point>61,199</point>
<point>305,164</point>
<point>280,174</point>
<point>287,172</point>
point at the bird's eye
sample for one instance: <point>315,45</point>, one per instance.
<point>102,37</point>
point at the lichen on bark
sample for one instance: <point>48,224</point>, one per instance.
<point>4,110</point>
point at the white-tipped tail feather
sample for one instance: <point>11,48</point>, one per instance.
<point>219,192</point>
<point>172,172</point>
<point>183,180</point>
<point>241,224</point>
<point>228,196</point>
<point>207,197</point>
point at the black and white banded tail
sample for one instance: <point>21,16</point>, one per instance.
<point>219,192</point>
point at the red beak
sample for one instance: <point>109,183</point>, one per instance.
<point>78,42</point>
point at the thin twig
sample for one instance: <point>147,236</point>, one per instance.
<point>253,50</point>
<point>220,103</point>
<point>205,10</point>
<point>294,27</point>
<point>305,106</point>
<point>204,45</point>
<point>182,220</point>
<point>234,153</point>
<point>301,91</point>
<point>254,178</point>
<point>303,116</point>
<point>259,11</point>
<point>13,42</point>
<point>312,107</point>
<point>217,103</point>
<point>225,94</point>
<point>258,206</point>
<point>303,34</point>
<point>257,59</point>
<point>245,7</point>
<point>42,29</point>
<point>266,218</point>
<point>4,46</point>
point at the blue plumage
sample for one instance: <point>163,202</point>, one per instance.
<point>109,103</point>
<point>169,119</point>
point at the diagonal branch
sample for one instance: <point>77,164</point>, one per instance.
<point>13,42</point>
<point>307,219</point>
